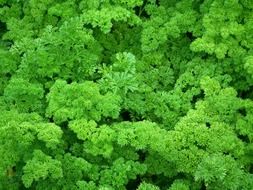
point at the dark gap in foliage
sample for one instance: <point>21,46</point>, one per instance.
<point>193,72</point>
<point>154,178</point>
<point>187,87</point>
<point>71,49</point>
<point>180,175</point>
<point>161,181</point>
<point>22,54</point>
<point>160,85</point>
<point>8,75</point>
<point>225,153</point>
<point>141,12</point>
<point>106,120</point>
<point>246,94</point>
<point>46,90</point>
<point>3,28</point>
<point>208,125</point>
<point>251,169</point>
<point>5,4</point>
<point>202,147</point>
<point>190,36</point>
<point>6,43</point>
<point>106,54</point>
<point>125,115</point>
<point>69,81</point>
<point>11,171</point>
<point>64,124</point>
<point>133,183</point>
<point>196,5</point>
<point>88,26</point>
<point>198,97</point>
<point>142,155</point>
<point>15,177</point>
<point>77,148</point>
<point>51,120</point>
<point>203,186</point>
<point>243,46</point>
<point>242,111</point>
<point>244,138</point>
<point>69,138</point>
<point>96,75</point>
<point>204,55</point>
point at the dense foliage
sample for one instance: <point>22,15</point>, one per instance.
<point>126,94</point>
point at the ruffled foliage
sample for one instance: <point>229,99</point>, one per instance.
<point>126,94</point>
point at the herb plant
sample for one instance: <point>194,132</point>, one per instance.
<point>126,94</point>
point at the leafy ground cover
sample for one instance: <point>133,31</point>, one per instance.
<point>126,94</point>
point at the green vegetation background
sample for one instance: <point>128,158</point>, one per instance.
<point>126,94</point>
